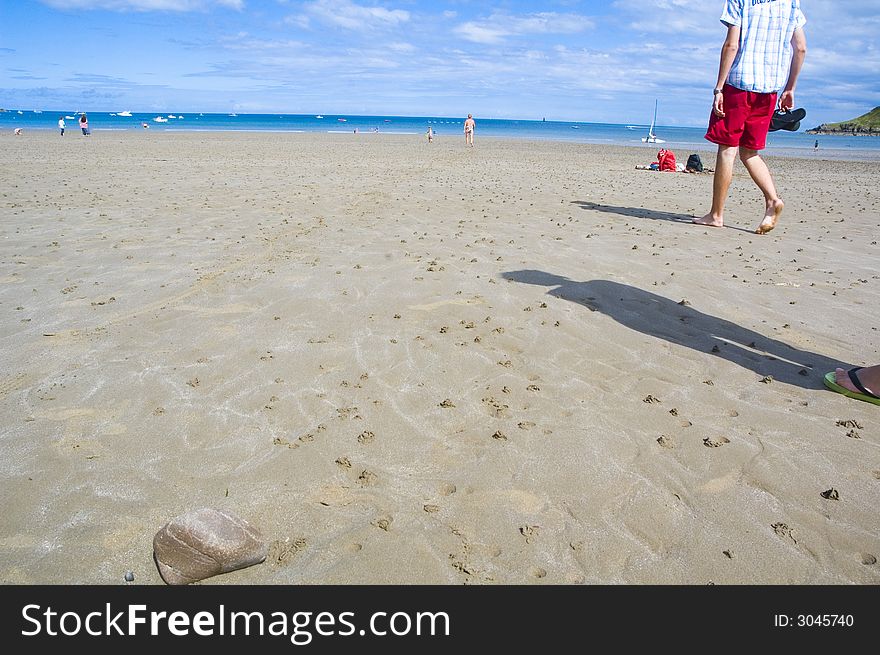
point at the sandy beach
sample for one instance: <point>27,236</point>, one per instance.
<point>426,364</point>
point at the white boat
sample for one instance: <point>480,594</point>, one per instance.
<point>652,138</point>
<point>171,116</point>
<point>319,117</point>
<point>160,119</point>
<point>124,113</point>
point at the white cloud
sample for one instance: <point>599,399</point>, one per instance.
<point>498,27</point>
<point>352,16</point>
<point>400,46</point>
<point>144,5</point>
<point>480,33</point>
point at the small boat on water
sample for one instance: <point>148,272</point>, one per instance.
<point>126,113</point>
<point>342,120</point>
<point>652,138</point>
<point>319,117</point>
<point>160,119</point>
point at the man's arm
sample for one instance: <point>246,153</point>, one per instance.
<point>728,54</point>
<point>799,53</point>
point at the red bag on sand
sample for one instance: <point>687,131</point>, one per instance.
<point>666,158</point>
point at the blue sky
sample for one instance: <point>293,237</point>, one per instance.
<point>564,60</point>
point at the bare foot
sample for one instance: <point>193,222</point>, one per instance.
<point>710,220</point>
<point>842,378</point>
<point>771,216</point>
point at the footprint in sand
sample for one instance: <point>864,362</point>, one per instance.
<point>496,408</point>
<point>366,437</point>
<point>529,532</point>
<point>447,489</point>
<point>282,551</point>
<point>665,442</point>
<point>867,559</point>
<point>709,442</point>
<point>783,531</point>
<point>383,523</point>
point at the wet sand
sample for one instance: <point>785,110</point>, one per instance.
<point>413,363</point>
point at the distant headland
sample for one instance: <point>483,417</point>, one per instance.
<point>865,125</point>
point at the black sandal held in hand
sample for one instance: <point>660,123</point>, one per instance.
<point>783,119</point>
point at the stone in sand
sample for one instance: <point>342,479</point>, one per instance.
<point>204,543</point>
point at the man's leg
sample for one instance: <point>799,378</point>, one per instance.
<point>761,176</point>
<point>720,185</point>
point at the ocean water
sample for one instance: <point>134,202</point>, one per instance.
<point>683,139</point>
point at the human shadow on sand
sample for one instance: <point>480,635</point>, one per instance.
<point>639,212</point>
<point>683,325</point>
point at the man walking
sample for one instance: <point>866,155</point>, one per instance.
<point>469,126</point>
<point>61,125</point>
<point>764,50</point>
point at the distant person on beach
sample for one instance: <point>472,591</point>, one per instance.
<point>860,383</point>
<point>469,127</point>
<point>816,145</point>
<point>764,50</point>
<point>430,134</point>
<point>61,125</point>
<point>84,125</point>
<point>17,131</point>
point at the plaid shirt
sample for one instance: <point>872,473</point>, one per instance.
<point>764,57</point>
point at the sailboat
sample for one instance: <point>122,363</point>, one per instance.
<point>652,138</point>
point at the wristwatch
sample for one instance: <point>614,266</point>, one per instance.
<point>716,91</point>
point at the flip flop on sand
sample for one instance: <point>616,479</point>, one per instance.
<point>867,396</point>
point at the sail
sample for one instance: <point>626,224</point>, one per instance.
<point>652,138</point>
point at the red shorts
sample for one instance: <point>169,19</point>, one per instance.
<point>746,119</point>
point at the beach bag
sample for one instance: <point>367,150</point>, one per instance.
<point>666,159</point>
<point>694,164</point>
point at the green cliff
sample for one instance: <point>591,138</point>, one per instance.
<point>867,124</point>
